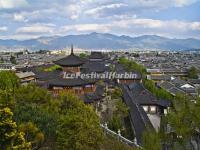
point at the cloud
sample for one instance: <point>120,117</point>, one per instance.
<point>86,28</point>
<point>158,24</point>
<point>96,10</point>
<point>19,17</point>
<point>181,3</point>
<point>36,29</point>
<point>136,26</point>
<point>9,4</point>
<point>4,28</point>
<point>73,11</point>
<point>31,18</point>
<point>160,4</point>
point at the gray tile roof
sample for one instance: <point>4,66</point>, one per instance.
<point>70,61</point>
<point>62,82</point>
<point>138,116</point>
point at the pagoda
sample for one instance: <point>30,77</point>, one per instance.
<point>70,80</point>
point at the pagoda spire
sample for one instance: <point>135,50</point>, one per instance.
<point>72,49</point>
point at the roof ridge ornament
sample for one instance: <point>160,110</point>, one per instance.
<point>72,49</point>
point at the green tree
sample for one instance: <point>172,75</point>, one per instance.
<point>115,123</point>
<point>121,109</point>
<point>159,92</point>
<point>53,68</point>
<point>193,73</point>
<point>111,143</point>
<point>83,55</point>
<point>46,121</point>
<point>36,106</point>
<point>78,127</point>
<point>133,66</point>
<point>184,121</point>
<point>117,93</point>
<point>151,140</point>
<point>32,134</point>
<point>8,81</point>
<point>32,94</point>
<point>10,137</point>
<point>13,60</point>
<point>1,60</point>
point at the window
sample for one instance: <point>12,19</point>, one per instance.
<point>165,111</point>
<point>145,108</point>
<point>77,88</point>
<point>88,86</point>
<point>57,88</point>
<point>153,109</point>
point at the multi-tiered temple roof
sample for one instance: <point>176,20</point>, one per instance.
<point>70,61</point>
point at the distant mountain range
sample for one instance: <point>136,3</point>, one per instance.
<point>102,41</point>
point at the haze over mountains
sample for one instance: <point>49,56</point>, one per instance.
<point>102,41</point>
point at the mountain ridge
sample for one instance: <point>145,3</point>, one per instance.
<point>96,40</point>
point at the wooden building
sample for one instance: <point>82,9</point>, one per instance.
<point>70,80</point>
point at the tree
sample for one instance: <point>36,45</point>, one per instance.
<point>192,73</point>
<point>1,60</point>
<point>53,68</point>
<point>159,92</point>
<point>115,123</point>
<point>184,121</point>
<point>13,60</point>
<point>78,127</point>
<point>151,140</point>
<point>44,120</point>
<point>121,109</point>
<point>111,143</point>
<point>36,105</point>
<point>32,94</point>
<point>83,55</point>
<point>117,93</point>
<point>32,134</point>
<point>10,137</point>
<point>36,110</point>
<point>133,66</point>
<point>8,81</point>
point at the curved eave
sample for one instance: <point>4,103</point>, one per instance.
<point>60,82</point>
<point>70,61</point>
<point>68,65</point>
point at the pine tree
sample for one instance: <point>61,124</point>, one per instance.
<point>10,137</point>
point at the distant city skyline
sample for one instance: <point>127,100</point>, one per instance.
<point>27,19</point>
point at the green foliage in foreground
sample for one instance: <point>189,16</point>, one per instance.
<point>151,140</point>
<point>10,137</point>
<point>111,143</point>
<point>64,121</point>
<point>184,121</point>
<point>8,81</point>
<point>120,111</point>
<point>41,121</point>
<point>78,127</point>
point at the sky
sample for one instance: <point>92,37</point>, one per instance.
<point>27,19</point>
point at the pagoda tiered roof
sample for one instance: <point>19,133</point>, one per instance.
<point>70,61</point>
